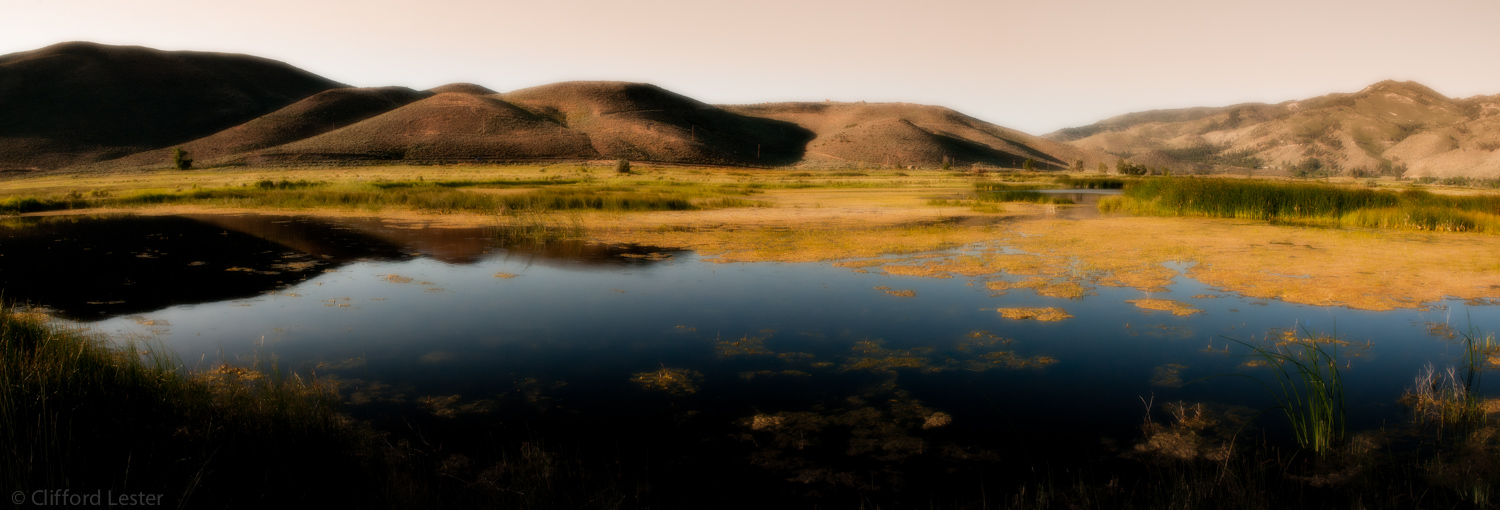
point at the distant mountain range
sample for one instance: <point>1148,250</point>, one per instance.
<point>1389,127</point>
<point>89,107</point>
<point>85,106</point>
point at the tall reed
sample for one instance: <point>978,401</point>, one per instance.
<point>1311,203</point>
<point>1308,390</point>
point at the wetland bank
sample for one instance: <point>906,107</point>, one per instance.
<point>728,337</point>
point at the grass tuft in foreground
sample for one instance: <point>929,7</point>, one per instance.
<point>1308,389</point>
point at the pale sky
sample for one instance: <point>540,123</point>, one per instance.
<point>1035,66</point>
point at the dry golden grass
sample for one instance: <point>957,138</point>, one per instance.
<point>1364,269</point>
<point>1165,305</point>
<point>861,227</point>
<point>1041,314</point>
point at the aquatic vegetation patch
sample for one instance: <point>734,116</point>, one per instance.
<point>750,376</point>
<point>744,346</point>
<point>505,276</point>
<point>871,355</point>
<point>1193,431</point>
<point>1168,375</point>
<point>454,406</point>
<point>1041,314</point>
<point>674,381</point>
<point>1165,305</point>
<point>902,293</point>
<point>1067,290</point>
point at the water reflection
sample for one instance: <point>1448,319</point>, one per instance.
<point>95,267</point>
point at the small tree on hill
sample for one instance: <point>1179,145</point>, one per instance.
<point>1103,168</point>
<point>947,163</point>
<point>180,159</point>
<point>1028,165</point>
<point>622,166</point>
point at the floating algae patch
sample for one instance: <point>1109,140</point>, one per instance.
<point>454,406</point>
<point>751,375</point>
<point>980,340</point>
<point>1158,331</point>
<point>872,355</point>
<point>674,381</point>
<point>1042,314</point>
<point>1001,359</point>
<point>395,278</point>
<point>745,346</point>
<point>1168,375</point>
<point>902,293</point>
<point>865,443</point>
<point>1165,305</point>
<point>1067,290</point>
<point>1194,431</point>
<point>505,275</point>
<point>927,271</point>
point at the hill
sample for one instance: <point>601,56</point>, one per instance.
<point>1390,128</point>
<point>79,102</point>
<point>903,134</point>
<point>84,107</point>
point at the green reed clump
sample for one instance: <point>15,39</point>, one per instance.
<point>1308,389</point>
<point>1090,182</point>
<point>568,199</point>
<point>21,205</point>
<point>1022,196</point>
<point>1313,203</point>
<point>492,183</point>
<point>1263,200</point>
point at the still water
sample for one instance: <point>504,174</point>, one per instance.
<point>773,379</point>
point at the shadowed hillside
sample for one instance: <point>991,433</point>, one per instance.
<point>644,122</point>
<point>450,125</point>
<point>90,107</point>
<point>1389,128</point>
<point>905,134</point>
<point>79,102</point>
<point>323,112</point>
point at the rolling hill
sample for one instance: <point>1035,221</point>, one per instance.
<point>1390,128</point>
<point>90,107</point>
<point>81,102</point>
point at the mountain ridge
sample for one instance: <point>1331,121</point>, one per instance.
<point>1391,127</point>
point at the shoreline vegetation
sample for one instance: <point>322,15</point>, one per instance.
<point>80,413</point>
<point>260,430</point>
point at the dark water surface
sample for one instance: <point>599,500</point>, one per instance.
<point>804,382</point>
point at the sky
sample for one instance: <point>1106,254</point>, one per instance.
<point>1036,66</point>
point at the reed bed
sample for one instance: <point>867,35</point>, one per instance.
<point>1090,182</point>
<point>1035,197</point>
<point>441,199</point>
<point>1309,203</point>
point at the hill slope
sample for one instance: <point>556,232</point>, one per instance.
<point>84,106</point>
<point>78,102</point>
<point>1389,127</point>
<point>905,134</point>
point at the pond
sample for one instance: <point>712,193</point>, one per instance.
<point>778,381</point>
